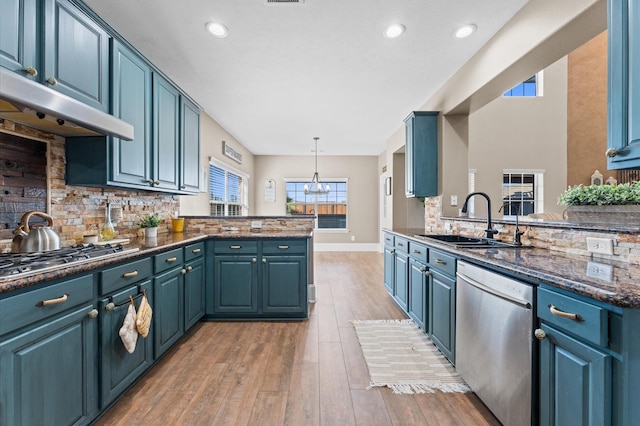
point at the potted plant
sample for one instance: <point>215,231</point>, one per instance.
<point>607,204</point>
<point>149,223</point>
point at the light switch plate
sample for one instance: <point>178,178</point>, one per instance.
<point>454,200</point>
<point>600,245</point>
<point>256,224</point>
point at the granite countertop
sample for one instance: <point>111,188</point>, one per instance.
<point>618,283</point>
<point>144,248</point>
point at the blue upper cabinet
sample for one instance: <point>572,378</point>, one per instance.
<point>18,40</point>
<point>166,119</point>
<point>421,154</point>
<point>76,54</point>
<point>624,85</point>
<point>190,146</point>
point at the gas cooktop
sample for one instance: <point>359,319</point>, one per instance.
<point>19,265</point>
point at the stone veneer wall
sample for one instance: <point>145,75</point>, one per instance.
<point>78,211</point>
<point>242,225</point>
<point>626,247</point>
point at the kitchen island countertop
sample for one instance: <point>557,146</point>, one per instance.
<point>573,273</point>
<point>146,247</point>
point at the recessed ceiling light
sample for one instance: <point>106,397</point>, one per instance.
<point>217,29</point>
<point>465,31</point>
<point>394,30</point>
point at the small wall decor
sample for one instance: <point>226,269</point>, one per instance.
<point>269,190</point>
<point>231,152</point>
<point>387,186</point>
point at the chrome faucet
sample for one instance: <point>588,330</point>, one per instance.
<point>490,231</point>
<point>517,241</point>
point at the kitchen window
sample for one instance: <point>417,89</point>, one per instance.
<point>330,208</point>
<point>228,191</point>
<point>522,192</point>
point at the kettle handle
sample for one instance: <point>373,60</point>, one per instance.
<point>24,222</point>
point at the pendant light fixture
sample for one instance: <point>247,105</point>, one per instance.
<point>315,186</point>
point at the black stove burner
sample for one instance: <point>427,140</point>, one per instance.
<point>15,264</point>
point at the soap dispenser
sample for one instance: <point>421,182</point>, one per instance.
<point>107,233</point>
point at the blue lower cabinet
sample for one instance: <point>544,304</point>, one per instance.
<point>401,290</point>
<point>442,300</point>
<point>389,268</point>
<point>168,312</point>
<point>283,284</point>
<point>119,368</point>
<point>235,284</point>
<point>194,292</point>
<point>575,381</point>
<point>418,286</point>
<point>49,372</point>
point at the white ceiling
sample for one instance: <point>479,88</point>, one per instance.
<point>289,72</point>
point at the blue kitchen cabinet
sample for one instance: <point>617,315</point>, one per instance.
<point>624,85</point>
<point>190,146</point>
<point>119,368</point>
<point>442,302</point>
<point>168,293</point>
<point>284,278</point>
<point>194,284</point>
<point>389,262</point>
<point>76,54</point>
<point>235,284</point>
<point>401,279</point>
<point>166,135</point>
<point>18,37</point>
<point>421,154</point>
<point>48,355</point>
<point>131,93</point>
<point>418,278</point>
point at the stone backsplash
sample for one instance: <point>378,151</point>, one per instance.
<point>79,211</point>
<point>562,238</point>
<point>244,224</point>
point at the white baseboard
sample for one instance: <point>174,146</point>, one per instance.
<point>346,247</point>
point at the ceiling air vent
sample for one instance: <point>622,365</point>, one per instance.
<point>268,2</point>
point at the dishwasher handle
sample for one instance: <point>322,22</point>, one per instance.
<point>523,303</point>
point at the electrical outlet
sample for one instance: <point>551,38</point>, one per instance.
<point>454,200</point>
<point>600,271</point>
<point>256,224</point>
<point>353,238</point>
<point>600,245</point>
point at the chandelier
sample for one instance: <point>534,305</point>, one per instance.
<point>315,186</point>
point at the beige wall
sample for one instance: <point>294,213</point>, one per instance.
<point>211,137</point>
<point>523,133</point>
<point>363,187</point>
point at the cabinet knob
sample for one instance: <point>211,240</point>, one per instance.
<point>540,334</point>
<point>254,260</point>
<point>31,71</point>
<point>110,306</point>
<point>52,81</point>
<point>264,260</point>
<point>149,181</point>
<point>189,268</point>
<point>93,313</point>
<point>611,152</point>
<point>156,182</point>
<point>183,186</point>
<point>183,271</point>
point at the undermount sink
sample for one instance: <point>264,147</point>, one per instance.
<point>460,241</point>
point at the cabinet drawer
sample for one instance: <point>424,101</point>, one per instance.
<point>389,240</point>
<point>591,321</point>
<point>401,245</point>
<point>129,273</point>
<point>27,308</point>
<point>168,260</point>
<point>418,251</point>
<point>193,251</point>
<point>442,262</point>
<point>284,247</point>
<point>236,247</point>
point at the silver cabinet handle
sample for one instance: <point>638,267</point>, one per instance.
<point>611,152</point>
<point>171,259</point>
<point>194,251</point>
<point>235,247</point>
<point>283,247</point>
<point>540,334</point>
<point>440,262</point>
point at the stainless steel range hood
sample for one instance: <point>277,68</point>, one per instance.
<point>35,105</point>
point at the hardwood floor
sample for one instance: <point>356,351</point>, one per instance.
<point>290,373</point>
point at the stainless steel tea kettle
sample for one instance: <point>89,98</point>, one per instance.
<point>37,238</point>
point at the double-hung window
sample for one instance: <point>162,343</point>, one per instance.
<point>330,208</point>
<point>228,191</point>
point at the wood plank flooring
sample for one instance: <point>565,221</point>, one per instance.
<point>290,373</point>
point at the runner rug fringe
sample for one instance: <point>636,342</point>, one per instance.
<point>401,357</point>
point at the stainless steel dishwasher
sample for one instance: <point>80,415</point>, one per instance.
<point>494,320</point>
